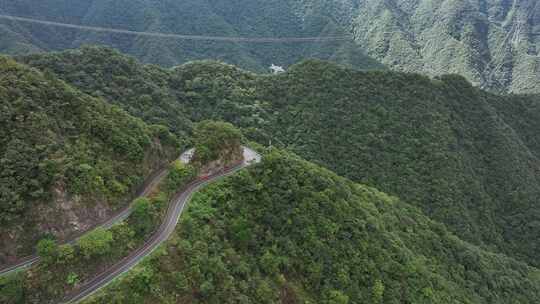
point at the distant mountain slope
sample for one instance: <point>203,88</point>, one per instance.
<point>441,144</point>
<point>66,159</point>
<point>492,43</point>
<point>467,158</point>
<point>288,231</point>
<point>459,153</point>
<point>192,17</point>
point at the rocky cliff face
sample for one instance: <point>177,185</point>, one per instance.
<point>66,216</point>
<point>228,158</point>
<point>493,43</point>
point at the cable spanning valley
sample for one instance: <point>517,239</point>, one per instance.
<point>176,36</point>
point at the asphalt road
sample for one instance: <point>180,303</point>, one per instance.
<point>148,185</point>
<point>162,234</point>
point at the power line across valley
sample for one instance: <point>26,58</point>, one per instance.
<point>176,36</point>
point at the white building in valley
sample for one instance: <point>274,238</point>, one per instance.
<point>276,69</point>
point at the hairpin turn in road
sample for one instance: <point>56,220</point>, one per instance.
<point>164,231</point>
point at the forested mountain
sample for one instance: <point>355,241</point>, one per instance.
<point>253,18</point>
<point>494,43</point>
<point>288,231</point>
<point>461,168</point>
<point>67,159</point>
<point>467,158</point>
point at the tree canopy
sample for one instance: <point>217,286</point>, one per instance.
<point>216,140</point>
<point>288,231</point>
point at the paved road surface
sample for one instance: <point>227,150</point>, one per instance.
<point>148,185</point>
<point>162,234</point>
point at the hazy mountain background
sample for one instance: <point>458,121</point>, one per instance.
<point>377,186</point>
<point>494,43</point>
<point>193,17</point>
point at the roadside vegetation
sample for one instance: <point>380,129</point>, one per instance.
<point>289,231</point>
<point>67,159</point>
<point>63,267</point>
<point>459,222</point>
<point>466,157</point>
<point>216,144</point>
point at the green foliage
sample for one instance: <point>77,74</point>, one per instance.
<point>72,278</point>
<point>58,145</point>
<point>318,238</point>
<point>11,289</point>
<point>95,243</point>
<point>52,254</point>
<point>464,157</point>
<point>377,292</point>
<point>63,267</point>
<point>270,263</point>
<point>48,250</point>
<point>336,297</point>
<point>179,175</point>
<point>85,180</point>
<point>66,254</point>
<point>440,144</point>
<point>249,18</point>
<point>216,140</point>
<point>142,218</point>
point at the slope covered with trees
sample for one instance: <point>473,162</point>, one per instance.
<point>244,18</point>
<point>288,231</point>
<point>468,158</point>
<point>67,159</point>
<point>442,144</point>
<point>494,44</point>
<point>63,268</point>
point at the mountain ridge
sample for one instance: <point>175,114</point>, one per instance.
<point>68,160</point>
<point>257,19</point>
<point>493,43</point>
<point>440,144</point>
<point>319,238</point>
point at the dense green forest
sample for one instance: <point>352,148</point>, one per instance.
<point>467,158</point>
<point>461,168</point>
<point>288,231</point>
<point>238,18</point>
<point>63,267</point>
<point>494,44</point>
<point>216,143</point>
<point>67,159</point>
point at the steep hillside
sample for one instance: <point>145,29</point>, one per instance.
<point>142,90</point>
<point>288,231</point>
<point>492,43</point>
<point>67,159</point>
<point>441,144</point>
<point>467,158</point>
<point>246,18</point>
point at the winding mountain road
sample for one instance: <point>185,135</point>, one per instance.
<point>149,184</point>
<point>163,232</point>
